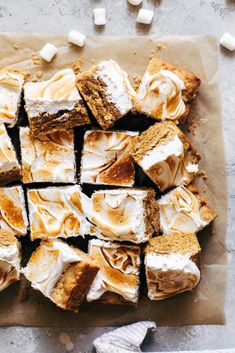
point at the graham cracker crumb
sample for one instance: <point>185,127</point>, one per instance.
<point>34,79</point>
<point>16,46</point>
<point>192,127</point>
<point>203,174</point>
<point>27,74</point>
<point>160,46</point>
<point>77,66</point>
<point>136,81</point>
<point>36,59</point>
<point>39,74</point>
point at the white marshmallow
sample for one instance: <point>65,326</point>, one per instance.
<point>48,52</point>
<point>99,16</point>
<point>77,38</point>
<point>135,2</point>
<point>228,41</point>
<point>145,16</point>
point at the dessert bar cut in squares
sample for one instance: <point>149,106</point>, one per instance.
<point>13,216</point>
<point>48,158</point>
<point>166,91</point>
<point>184,210</point>
<point>107,91</point>
<point>117,281</point>
<point>57,212</point>
<point>11,84</point>
<point>106,158</point>
<point>9,259</point>
<point>10,169</point>
<point>54,104</point>
<point>165,154</point>
<point>61,272</point>
<point>172,265</point>
<point>124,214</point>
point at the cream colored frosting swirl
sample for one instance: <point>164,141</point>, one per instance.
<point>104,152</point>
<point>48,158</point>
<point>119,270</point>
<point>57,212</point>
<point>11,83</point>
<point>57,93</point>
<point>160,95</point>
<point>9,265</point>
<point>52,258</point>
<point>119,214</point>
<point>181,212</point>
<point>13,215</point>
<point>170,274</point>
<point>7,152</point>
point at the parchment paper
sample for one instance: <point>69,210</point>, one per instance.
<point>199,55</point>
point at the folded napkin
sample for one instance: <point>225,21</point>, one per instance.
<point>128,339</point>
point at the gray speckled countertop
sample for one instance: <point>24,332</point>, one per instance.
<point>185,17</point>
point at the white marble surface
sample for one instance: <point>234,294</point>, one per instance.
<point>184,17</point>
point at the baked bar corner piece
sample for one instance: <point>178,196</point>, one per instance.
<point>58,212</point>
<point>9,259</point>
<point>10,169</point>
<point>117,281</point>
<point>13,216</point>
<point>106,158</point>
<point>54,104</point>
<point>166,91</point>
<point>172,265</point>
<point>165,154</point>
<point>11,85</point>
<point>48,158</point>
<point>184,210</point>
<point>107,91</point>
<point>61,272</point>
<point>124,214</point>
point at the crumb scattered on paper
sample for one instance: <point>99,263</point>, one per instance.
<point>36,59</point>
<point>160,46</point>
<point>77,66</point>
<point>203,174</point>
<point>192,125</point>
<point>65,339</point>
<point>136,82</point>
<point>39,74</point>
<point>16,46</point>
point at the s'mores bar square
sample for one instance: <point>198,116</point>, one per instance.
<point>9,259</point>
<point>166,91</point>
<point>13,216</point>
<point>184,210</point>
<point>11,84</point>
<point>61,272</point>
<point>57,212</point>
<point>48,158</point>
<point>172,265</point>
<point>107,91</point>
<point>124,214</point>
<point>10,169</point>
<point>106,158</point>
<point>54,104</point>
<point>165,154</point>
<point>117,281</point>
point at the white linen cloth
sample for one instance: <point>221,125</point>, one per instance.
<point>128,339</point>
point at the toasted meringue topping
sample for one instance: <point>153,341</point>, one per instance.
<point>11,84</point>
<point>119,214</point>
<point>7,152</point>
<point>168,164</point>
<point>58,93</point>
<point>13,215</point>
<point>105,152</point>
<point>182,212</point>
<point>119,270</point>
<point>160,95</point>
<point>9,265</point>
<point>171,274</point>
<point>48,158</point>
<point>118,88</point>
<point>53,258</point>
<point>57,212</point>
